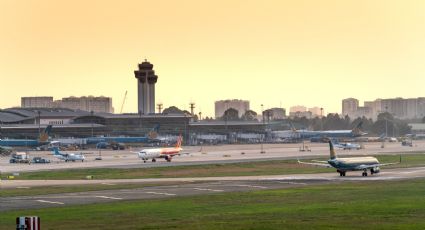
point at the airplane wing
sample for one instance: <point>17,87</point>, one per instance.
<point>180,154</point>
<point>324,162</point>
<point>362,167</point>
<point>315,164</point>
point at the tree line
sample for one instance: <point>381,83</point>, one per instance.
<point>386,123</point>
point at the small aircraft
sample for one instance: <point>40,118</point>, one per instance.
<point>343,165</point>
<point>347,145</point>
<point>166,153</point>
<point>68,156</point>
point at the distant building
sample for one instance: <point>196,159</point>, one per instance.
<point>240,105</point>
<point>36,102</point>
<point>349,107</point>
<point>316,111</point>
<point>275,113</point>
<point>90,103</point>
<point>297,108</point>
<point>306,114</point>
<point>411,108</point>
<point>375,107</point>
<point>363,112</point>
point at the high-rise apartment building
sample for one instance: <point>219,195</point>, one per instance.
<point>90,103</point>
<point>297,108</point>
<point>411,108</point>
<point>36,102</point>
<point>349,106</point>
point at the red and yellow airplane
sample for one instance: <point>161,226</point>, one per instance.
<point>166,153</point>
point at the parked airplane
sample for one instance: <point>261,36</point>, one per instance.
<point>347,145</point>
<point>42,140</point>
<point>343,165</point>
<point>166,153</point>
<point>68,156</point>
<point>318,136</point>
<point>151,137</point>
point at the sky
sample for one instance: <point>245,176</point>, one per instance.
<point>277,53</point>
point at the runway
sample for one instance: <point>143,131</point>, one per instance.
<point>204,155</point>
<point>191,186</point>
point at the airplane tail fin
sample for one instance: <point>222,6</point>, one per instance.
<point>56,151</point>
<point>179,141</point>
<point>357,130</point>
<point>44,136</point>
<point>332,152</point>
<point>292,127</point>
<point>153,133</point>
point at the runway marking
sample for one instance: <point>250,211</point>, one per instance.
<point>108,197</point>
<point>50,202</point>
<point>23,187</point>
<point>251,186</point>
<point>107,184</point>
<point>208,189</point>
<point>297,183</point>
<point>161,193</point>
<point>415,171</point>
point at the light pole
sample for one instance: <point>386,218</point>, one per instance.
<point>321,118</point>
<point>140,120</point>
<point>386,122</point>
<point>262,138</point>
<point>91,114</point>
<point>39,119</point>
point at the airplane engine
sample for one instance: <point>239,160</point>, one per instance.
<point>375,170</point>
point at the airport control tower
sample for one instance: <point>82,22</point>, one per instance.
<point>146,79</point>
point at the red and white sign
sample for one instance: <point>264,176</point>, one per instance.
<point>28,223</point>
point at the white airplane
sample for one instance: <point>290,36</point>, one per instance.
<point>348,146</point>
<point>343,165</point>
<point>68,156</point>
<point>166,153</point>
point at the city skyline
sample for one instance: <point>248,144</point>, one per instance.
<point>274,53</point>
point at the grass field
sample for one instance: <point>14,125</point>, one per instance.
<point>370,205</point>
<point>234,169</point>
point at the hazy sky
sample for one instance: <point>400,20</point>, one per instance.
<point>312,53</point>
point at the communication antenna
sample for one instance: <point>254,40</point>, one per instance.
<point>159,106</point>
<point>192,107</point>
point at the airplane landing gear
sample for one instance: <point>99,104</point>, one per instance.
<point>341,173</point>
<point>153,160</point>
<point>364,173</point>
<point>144,161</point>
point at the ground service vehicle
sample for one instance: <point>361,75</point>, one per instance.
<point>39,160</point>
<point>20,157</point>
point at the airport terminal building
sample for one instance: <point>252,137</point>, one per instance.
<point>67,123</point>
